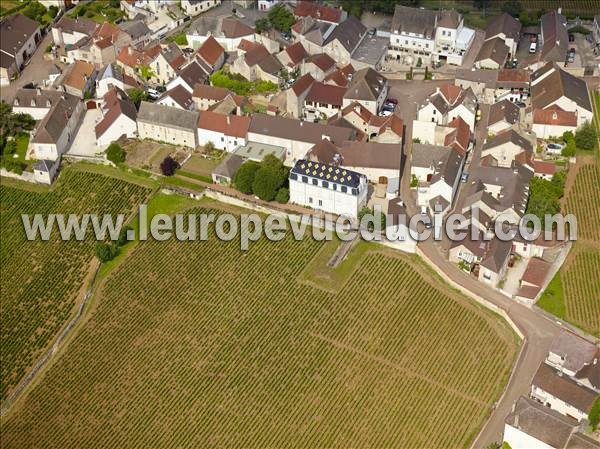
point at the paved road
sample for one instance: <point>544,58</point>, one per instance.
<point>536,328</point>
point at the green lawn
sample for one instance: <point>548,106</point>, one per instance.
<point>553,298</point>
<point>22,142</point>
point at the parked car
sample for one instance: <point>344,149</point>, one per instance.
<point>152,93</point>
<point>533,47</point>
<point>392,101</point>
<point>520,104</point>
<point>464,177</point>
<point>554,148</point>
<point>571,38</point>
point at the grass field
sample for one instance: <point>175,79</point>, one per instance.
<point>41,281</point>
<point>195,344</point>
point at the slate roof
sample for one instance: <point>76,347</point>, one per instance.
<point>42,98</point>
<point>494,49</point>
<point>325,152</point>
<point>556,37</point>
<point>508,136</point>
<point>503,24</point>
<point>448,168</point>
<point>229,166</point>
<point>135,28</point>
<point>558,83</point>
<point>564,388</point>
<point>15,30</point>
<point>292,129</point>
<point>52,125</point>
<point>167,116</point>
<point>81,25</point>
<point>366,85</point>
<point>577,351</point>
<point>173,55</point>
<point>329,173</point>
<point>504,110</point>
<point>348,33</point>
<point>193,74</point>
<point>497,255</point>
<point>426,155</point>
<point>43,165</point>
<point>180,95</point>
<point>414,20</point>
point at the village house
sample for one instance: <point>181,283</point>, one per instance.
<point>118,118</point>
<point>533,279</point>
<point>224,173</point>
<point>102,48</point>
<point>552,86</point>
<point>167,124</point>
<point>322,13</point>
<point>553,122</point>
<point>113,75</point>
<point>313,34</point>
<point>327,188</point>
<point>340,77</point>
<point>318,65</point>
<point>561,393</point>
<point>205,96</point>
<point>369,88</point>
<point>70,31</point>
<point>132,60</point>
<point>258,64</point>
<point>227,31</point>
<point>226,132</point>
<point>53,135</point>
<point>511,84</point>
<point>296,95</point>
<point>19,37</point>
<point>38,102</point>
<point>554,38</point>
<point>532,425</point>
<point>79,79</point>
<point>296,136</point>
<point>189,76</point>
<point>376,128</point>
<point>446,104</point>
<point>493,54</point>
<point>177,97</point>
<point>195,7</point>
<point>167,64</point>
<point>291,57</point>
<point>506,28</point>
<point>424,160</point>
<point>344,40</point>
<point>504,148</point>
<point>323,101</point>
<point>211,53</point>
<point>44,171</point>
<point>138,31</point>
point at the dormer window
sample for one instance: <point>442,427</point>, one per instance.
<point>32,103</point>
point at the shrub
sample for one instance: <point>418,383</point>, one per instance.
<point>168,166</point>
<point>244,178</point>
<point>49,47</point>
<point>585,137</point>
<point>13,166</point>
<point>281,18</point>
<point>122,240</point>
<point>414,182</point>
<point>137,96</point>
<point>283,195</point>
<point>115,153</point>
<point>594,414</point>
<point>266,183</point>
<point>105,251</point>
<point>53,11</point>
<point>569,149</point>
<point>567,136</point>
<point>181,39</point>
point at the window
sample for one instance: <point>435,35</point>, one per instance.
<point>320,202</point>
<point>315,182</point>
<point>334,186</point>
<point>344,189</point>
<point>294,176</point>
<point>406,41</point>
<point>310,200</point>
<point>222,139</point>
<point>325,184</point>
<point>305,179</point>
<point>354,192</point>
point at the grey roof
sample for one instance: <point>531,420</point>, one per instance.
<point>349,33</point>
<point>15,31</point>
<point>52,125</point>
<point>193,74</point>
<point>6,60</point>
<point>372,155</point>
<point>503,24</point>
<point>135,28</point>
<point>508,136</point>
<point>167,116</point>
<point>79,24</point>
<point>577,351</point>
<point>564,388</point>
<point>555,85</point>
<point>42,98</point>
<point>329,173</point>
<point>43,165</point>
<point>504,110</point>
<point>555,37</point>
<point>366,84</point>
<point>425,155</point>
<point>497,255</point>
<point>371,50</point>
<point>487,77</point>
<point>179,95</point>
<point>288,128</point>
<point>542,423</point>
<point>229,166</point>
<point>494,49</point>
<point>448,168</point>
<point>414,20</point>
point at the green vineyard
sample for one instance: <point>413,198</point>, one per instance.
<point>584,202</point>
<point>196,344</point>
<point>582,288</point>
<point>41,280</point>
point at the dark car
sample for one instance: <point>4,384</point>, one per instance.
<point>520,104</point>
<point>392,101</point>
<point>571,38</point>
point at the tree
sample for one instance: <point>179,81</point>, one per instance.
<point>244,178</point>
<point>266,183</point>
<point>283,195</point>
<point>544,195</point>
<point>146,71</point>
<point>181,39</point>
<point>53,11</point>
<point>585,137</point>
<point>115,153</point>
<point>568,135</point>
<point>262,25</point>
<point>122,240</point>
<point>281,18</point>
<point>81,11</point>
<point>105,251</point>
<point>512,7</point>
<point>137,96</point>
<point>570,149</point>
<point>594,414</point>
<point>414,182</point>
<point>168,166</point>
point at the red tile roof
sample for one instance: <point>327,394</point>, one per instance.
<point>513,75</point>
<point>230,125</point>
<point>296,52</point>
<point>209,92</point>
<point>132,57</point>
<point>536,271</point>
<point>246,45</point>
<point>302,83</point>
<point>319,12</point>
<point>117,103</point>
<point>545,168</point>
<point>322,61</point>
<point>554,116</point>
<point>326,93</point>
<point>459,138</point>
<point>450,92</point>
<point>210,51</point>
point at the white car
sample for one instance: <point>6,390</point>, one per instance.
<point>533,47</point>
<point>152,93</point>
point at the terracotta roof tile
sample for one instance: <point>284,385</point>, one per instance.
<point>210,51</point>
<point>302,84</point>
<point>230,125</point>
<point>319,12</point>
<point>325,93</point>
<point>554,116</point>
<point>296,52</point>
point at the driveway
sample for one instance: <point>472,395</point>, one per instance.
<point>84,143</point>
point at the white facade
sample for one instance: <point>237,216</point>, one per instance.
<point>168,134</point>
<point>295,149</point>
<point>322,195</point>
<point>429,113</point>
<point>123,125</point>
<point>517,439</point>
<point>193,8</point>
<point>265,5</point>
<point>543,131</point>
<point>557,404</point>
<point>221,140</point>
<point>229,44</point>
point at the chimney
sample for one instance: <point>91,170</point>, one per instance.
<point>228,121</point>
<point>38,91</point>
<point>129,50</point>
<point>560,10</point>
